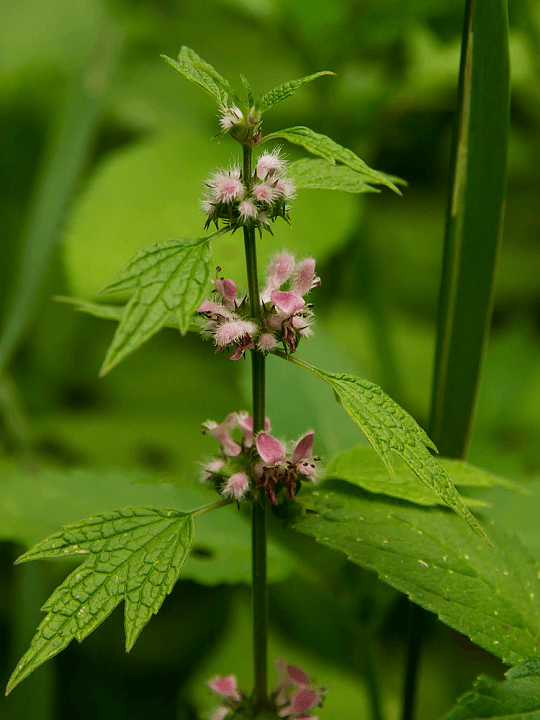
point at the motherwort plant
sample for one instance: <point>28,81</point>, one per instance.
<point>136,554</point>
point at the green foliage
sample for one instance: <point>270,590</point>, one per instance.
<point>492,595</point>
<point>282,92</point>
<point>34,505</point>
<point>198,71</point>
<point>319,175</point>
<point>332,152</point>
<point>116,312</point>
<point>168,278</point>
<point>474,223</point>
<point>136,555</point>
<point>150,191</point>
<point>389,428</point>
<point>361,466</point>
<point>517,697</point>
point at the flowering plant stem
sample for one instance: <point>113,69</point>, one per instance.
<point>258,528</point>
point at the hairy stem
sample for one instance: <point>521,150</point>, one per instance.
<point>258,527</point>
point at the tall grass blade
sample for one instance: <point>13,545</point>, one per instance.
<point>474,222</point>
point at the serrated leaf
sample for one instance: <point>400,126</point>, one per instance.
<point>136,555</point>
<point>492,595</point>
<point>168,278</point>
<point>517,697</point>
<point>115,312</point>
<point>320,175</point>
<point>282,92</point>
<point>361,466</point>
<point>247,88</point>
<point>332,152</point>
<point>389,428</point>
<point>194,68</point>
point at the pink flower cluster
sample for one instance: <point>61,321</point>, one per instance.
<point>232,469</point>
<point>267,198</point>
<point>295,696</point>
<point>286,315</point>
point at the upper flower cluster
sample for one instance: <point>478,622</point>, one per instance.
<point>258,201</point>
<point>286,316</point>
<point>295,696</point>
<point>232,469</point>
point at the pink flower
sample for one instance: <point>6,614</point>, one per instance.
<point>287,302</point>
<point>285,188</point>
<point>264,193</point>
<point>245,423</point>
<point>296,691</point>
<point>222,711</point>
<point>236,487</point>
<point>267,342</point>
<point>221,433</point>
<point>269,164</point>
<point>230,116</point>
<point>302,455</point>
<point>304,277</point>
<point>247,210</point>
<point>231,332</point>
<point>211,468</point>
<point>278,272</point>
<point>271,450</point>
<point>225,687</point>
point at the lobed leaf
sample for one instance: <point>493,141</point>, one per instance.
<point>516,698</point>
<point>136,555</point>
<point>492,595</point>
<point>194,68</point>
<point>332,152</point>
<point>168,278</point>
<point>282,92</point>
<point>361,466</point>
<point>389,428</point>
<point>115,312</point>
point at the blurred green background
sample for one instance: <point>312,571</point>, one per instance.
<point>104,150</point>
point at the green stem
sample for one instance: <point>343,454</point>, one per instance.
<point>258,526</point>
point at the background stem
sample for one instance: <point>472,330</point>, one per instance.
<point>258,526</point>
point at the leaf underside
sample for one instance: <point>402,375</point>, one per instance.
<point>198,71</point>
<point>320,175</point>
<point>517,697</point>
<point>332,152</point>
<point>282,92</point>
<point>361,467</point>
<point>135,555</point>
<point>492,595</point>
<point>389,428</point>
<point>167,279</point>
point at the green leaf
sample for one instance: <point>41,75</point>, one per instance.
<point>194,68</point>
<point>282,92</point>
<point>361,466</point>
<point>116,312</point>
<point>517,697</point>
<point>330,151</point>
<point>167,278</point>
<point>492,595</point>
<point>474,222</point>
<point>319,175</point>
<point>247,88</point>
<point>389,428</point>
<point>34,504</point>
<point>136,555</point>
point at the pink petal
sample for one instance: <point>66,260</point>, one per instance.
<point>304,276</point>
<point>236,487</point>
<point>220,713</point>
<point>298,676</point>
<point>270,449</point>
<point>303,448</point>
<point>304,700</point>
<point>267,342</point>
<point>229,332</point>
<point>287,302</point>
<point>226,687</point>
<point>226,287</point>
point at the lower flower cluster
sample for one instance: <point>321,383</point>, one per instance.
<point>249,462</point>
<point>295,696</point>
<point>286,316</point>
